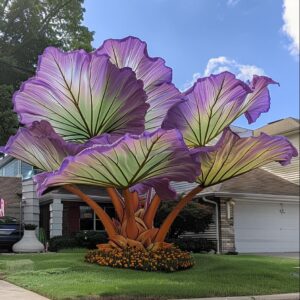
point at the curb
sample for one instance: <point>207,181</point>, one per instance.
<point>291,296</point>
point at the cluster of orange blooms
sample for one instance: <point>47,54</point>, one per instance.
<point>167,260</point>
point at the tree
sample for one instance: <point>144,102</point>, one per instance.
<point>195,217</point>
<point>8,119</point>
<point>27,27</point>
<point>85,116</point>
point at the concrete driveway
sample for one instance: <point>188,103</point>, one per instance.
<point>294,255</point>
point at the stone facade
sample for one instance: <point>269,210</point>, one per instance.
<point>227,242</point>
<point>56,217</point>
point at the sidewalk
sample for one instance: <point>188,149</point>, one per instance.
<point>9,291</point>
<point>293,296</point>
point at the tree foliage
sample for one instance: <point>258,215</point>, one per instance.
<point>27,27</point>
<point>195,217</point>
<point>8,119</point>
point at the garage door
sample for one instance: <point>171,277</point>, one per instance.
<point>266,227</point>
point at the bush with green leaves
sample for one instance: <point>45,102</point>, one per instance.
<point>62,242</point>
<point>89,239</point>
<point>195,217</point>
<point>194,244</point>
<point>82,239</point>
<point>30,226</point>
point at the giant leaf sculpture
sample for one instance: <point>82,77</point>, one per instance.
<point>114,119</point>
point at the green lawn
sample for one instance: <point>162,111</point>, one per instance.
<point>66,276</point>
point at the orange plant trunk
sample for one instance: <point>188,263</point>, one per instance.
<point>131,203</point>
<point>135,226</point>
<point>151,211</point>
<point>116,201</point>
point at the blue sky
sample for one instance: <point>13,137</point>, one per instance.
<point>197,37</point>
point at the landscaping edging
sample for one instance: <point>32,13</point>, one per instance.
<point>291,296</point>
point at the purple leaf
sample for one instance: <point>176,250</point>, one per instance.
<point>149,159</point>
<point>233,156</point>
<point>161,94</point>
<point>213,103</point>
<point>40,146</point>
<point>82,95</point>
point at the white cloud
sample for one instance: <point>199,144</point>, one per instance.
<point>291,24</point>
<point>232,2</point>
<point>220,64</point>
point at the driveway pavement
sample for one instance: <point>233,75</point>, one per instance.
<point>294,296</point>
<point>10,291</point>
<point>278,254</point>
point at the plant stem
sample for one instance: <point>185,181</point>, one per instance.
<point>165,227</point>
<point>115,199</point>
<point>102,215</point>
<point>151,211</point>
<point>131,226</point>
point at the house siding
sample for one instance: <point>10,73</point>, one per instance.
<point>289,128</point>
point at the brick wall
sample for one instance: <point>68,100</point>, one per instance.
<point>10,191</point>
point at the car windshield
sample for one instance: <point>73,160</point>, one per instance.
<point>8,220</point>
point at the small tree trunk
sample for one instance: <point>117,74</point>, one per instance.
<point>131,227</point>
<point>116,201</point>
<point>151,211</point>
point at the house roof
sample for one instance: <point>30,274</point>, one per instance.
<point>280,127</point>
<point>5,160</point>
<point>259,181</point>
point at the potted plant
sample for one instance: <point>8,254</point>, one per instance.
<point>29,242</point>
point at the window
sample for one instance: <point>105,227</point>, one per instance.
<point>26,170</point>
<point>90,221</point>
<point>11,169</point>
<point>86,218</point>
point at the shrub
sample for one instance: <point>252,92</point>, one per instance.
<point>84,239</point>
<point>42,236</point>
<point>61,242</point>
<point>195,245</point>
<point>195,217</point>
<point>89,239</point>
<point>30,226</point>
<point>166,259</point>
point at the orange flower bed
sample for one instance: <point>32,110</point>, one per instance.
<point>166,260</point>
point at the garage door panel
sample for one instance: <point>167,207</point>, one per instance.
<point>266,227</point>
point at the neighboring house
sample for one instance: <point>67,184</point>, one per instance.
<point>255,212</point>
<point>262,206</point>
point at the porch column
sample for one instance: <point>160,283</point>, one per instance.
<point>30,203</point>
<point>56,217</point>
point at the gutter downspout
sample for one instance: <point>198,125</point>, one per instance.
<point>217,220</point>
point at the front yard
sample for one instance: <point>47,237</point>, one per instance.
<point>66,276</point>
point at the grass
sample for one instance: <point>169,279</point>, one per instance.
<point>67,276</point>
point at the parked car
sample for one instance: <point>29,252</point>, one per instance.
<point>10,232</point>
